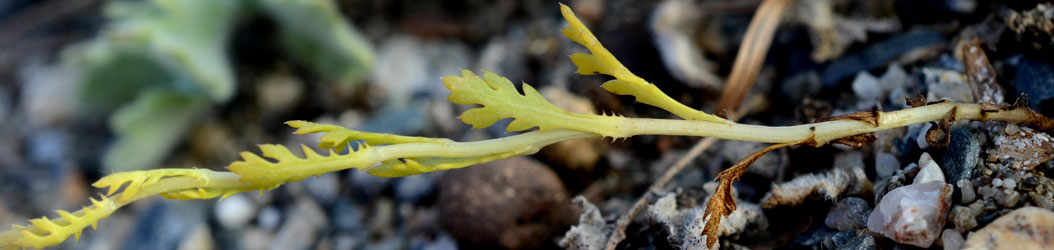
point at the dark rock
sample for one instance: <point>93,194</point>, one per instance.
<point>850,213</point>
<point>962,154</point>
<point>512,203</point>
<point>852,240</point>
<point>827,238</point>
<point>1037,80</point>
<point>877,55</point>
<point>813,239</point>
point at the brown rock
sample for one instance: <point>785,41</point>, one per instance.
<point>1022,147</point>
<point>515,203</point>
<point>1024,228</point>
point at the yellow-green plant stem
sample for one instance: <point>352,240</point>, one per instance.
<point>205,184</point>
<point>821,132</point>
<point>37,237</point>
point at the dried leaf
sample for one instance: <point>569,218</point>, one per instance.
<point>723,202</point>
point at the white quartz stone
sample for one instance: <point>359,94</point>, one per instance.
<point>930,172</point>
<point>912,214</point>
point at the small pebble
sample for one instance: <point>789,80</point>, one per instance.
<point>1008,199</point>
<point>269,218</point>
<point>963,218</point>
<point>987,192</point>
<point>951,239</point>
<point>885,165</point>
<point>235,211</point>
<point>1009,183</point>
<point>997,182</point>
<point>509,203</point>
<point>930,172</point>
<point>967,191</point>
<point>1012,128</point>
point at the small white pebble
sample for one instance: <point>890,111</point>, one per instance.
<point>1012,129</point>
<point>997,183</point>
<point>1009,183</point>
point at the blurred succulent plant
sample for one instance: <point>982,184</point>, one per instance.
<point>160,64</point>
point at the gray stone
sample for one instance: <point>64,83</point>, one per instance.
<point>885,165</point>
<point>198,239</point>
<point>848,214</point>
<point>952,239</point>
<point>967,191</point>
<point>855,240</point>
<point>413,188</point>
<point>163,225</point>
<point>269,218</point>
<point>48,147</point>
<point>324,188</point>
<point>349,217</point>
<point>878,54</point>
<point>867,88</point>
<point>366,186</point>
<point>962,154</point>
<point>300,228</point>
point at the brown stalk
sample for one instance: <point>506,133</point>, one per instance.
<point>751,54</point>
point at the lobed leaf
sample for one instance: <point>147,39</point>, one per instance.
<point>407,167</point>
<point>207,193</point>
<point>601,61</point>
<point>288,167</point>
<point>338,138</point>
<point>137,180</point>
<point>43,232</point>
<point>501,100</point>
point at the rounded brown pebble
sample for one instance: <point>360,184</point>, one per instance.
<point>1024,228</point>
<point>515,203</point>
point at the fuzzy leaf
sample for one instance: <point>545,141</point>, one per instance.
<point>315,32</point>
<point>148,128</point>
<point>601,61</point>
<point>501,100</point>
